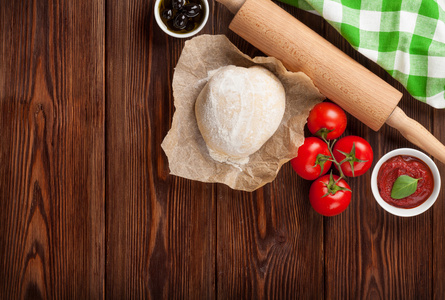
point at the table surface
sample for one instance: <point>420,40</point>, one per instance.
<point>88,208</point>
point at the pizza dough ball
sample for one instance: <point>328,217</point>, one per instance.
<point>238,110</point>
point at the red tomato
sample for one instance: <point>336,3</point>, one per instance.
<point>312,160</point>
<point>354,155</point>
<point>327,119</point>
<point>329,197</point>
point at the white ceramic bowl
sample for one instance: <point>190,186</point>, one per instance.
<point>406,212</point>
<point>181,35</point>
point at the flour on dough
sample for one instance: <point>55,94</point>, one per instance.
<point>238,110</point>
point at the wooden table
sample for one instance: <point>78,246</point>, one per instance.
<point>88,208</point>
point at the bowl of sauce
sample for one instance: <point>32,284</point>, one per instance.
<point>405,182</point>
<point>181,18</point>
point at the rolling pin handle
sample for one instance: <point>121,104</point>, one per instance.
<point>416,134</point>
<point>233,5</point>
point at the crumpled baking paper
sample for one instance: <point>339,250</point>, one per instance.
<point>186,149</point>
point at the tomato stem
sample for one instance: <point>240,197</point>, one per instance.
<point>351,158</point>
<point>342,175</point>
<point>332,187</point>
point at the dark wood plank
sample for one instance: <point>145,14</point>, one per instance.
<point>438,223</point>
<point>160,228</point>
<point>52,161</point>
<point>370,253</point>
<point>269,242</point>
<point>83,111</point>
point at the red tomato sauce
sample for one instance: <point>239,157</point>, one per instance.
<point>405,165</point>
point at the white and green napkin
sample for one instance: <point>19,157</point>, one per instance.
<point>405,37</point>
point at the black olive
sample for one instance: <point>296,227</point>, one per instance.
<point>177,4</point>
<point>167,14</point>
<point>191,10</point>
<point>180,21</point>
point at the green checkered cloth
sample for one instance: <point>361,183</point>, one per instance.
<point>405,37</point>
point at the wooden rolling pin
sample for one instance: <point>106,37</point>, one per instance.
<point>340,78</point>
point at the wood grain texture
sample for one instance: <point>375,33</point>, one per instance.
<point>369,253</point>
<point>160,228</point>
<point>88,209</point>
<point>438,220</point>
<point>269,248</point>
<point>52,149</point>
<point>269,242</point>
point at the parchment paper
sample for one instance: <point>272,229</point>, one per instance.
<point>184,146</point>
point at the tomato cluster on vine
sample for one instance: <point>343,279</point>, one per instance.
<point>351,156</point>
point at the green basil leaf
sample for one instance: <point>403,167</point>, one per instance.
<point>404,186</point>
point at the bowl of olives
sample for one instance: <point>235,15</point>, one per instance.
<point>181,18</point>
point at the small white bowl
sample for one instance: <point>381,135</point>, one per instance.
<point>406,212</point>
<point>181,35</point>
